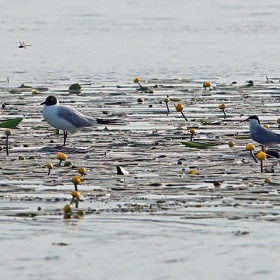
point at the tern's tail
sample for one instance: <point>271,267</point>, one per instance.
<point>110,121</point>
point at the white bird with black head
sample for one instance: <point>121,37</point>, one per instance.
<point>64,117</point>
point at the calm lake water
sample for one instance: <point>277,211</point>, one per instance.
<point>112,42</point>
<point>107,40</point>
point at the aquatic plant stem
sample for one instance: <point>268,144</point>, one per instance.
<point>184,116</point>
<point>7,145</point>
<point>191,137</point>
<point>253,156</point>
<point>139,85</point>
<point>261,166</point>
<point>167,107</point>
<point>225,115</point>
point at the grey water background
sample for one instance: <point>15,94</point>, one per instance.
<point>114,41</point>
<point>107,40</point>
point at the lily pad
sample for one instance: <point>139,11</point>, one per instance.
<point>75,87</point>
<point>199,145</point>
<point>174,99</point>
<point>11,123</point>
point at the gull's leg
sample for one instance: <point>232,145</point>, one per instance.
<point>65,137</point>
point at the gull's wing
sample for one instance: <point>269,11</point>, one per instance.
<point>74,117</point>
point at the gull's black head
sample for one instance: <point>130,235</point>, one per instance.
<point>51,100</point>
<point>254,118</point>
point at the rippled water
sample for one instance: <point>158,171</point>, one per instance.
<point>159,222</point>
<point>110,40</point>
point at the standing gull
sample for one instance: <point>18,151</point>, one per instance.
<point>64,117</point>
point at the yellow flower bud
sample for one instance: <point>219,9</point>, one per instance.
<point>231,144</point>
<point>67,208</point>
<point>82,170</point>
<point>76,179</point>
<point>193,172</point>
<point>222,106</point>
<point>261,155</point>
<point>8,132</point>
<point>250,147</point>
<point>137,80</point>
<point>207,84</point>
<point>61,156</point>
<point>179,107</point>
<point>192,130</point>
<point>49,166</point>
<point>268,180</point>
<point>76,194</point>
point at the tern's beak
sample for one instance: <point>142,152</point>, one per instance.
<point>43,103</point>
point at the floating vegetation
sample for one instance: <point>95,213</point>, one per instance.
<point>199,145</point>
<point>202,165</point>
<point>12,123</point>
<point>75,87</point>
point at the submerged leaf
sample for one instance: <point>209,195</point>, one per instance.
<point>11,123</point>
<point>274,184</point>
<point>24,86</point>
<point>199,145</point>
<point>241,137</point>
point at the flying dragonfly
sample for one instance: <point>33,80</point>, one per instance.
<point>22,45</point>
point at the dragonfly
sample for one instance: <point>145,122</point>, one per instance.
<point>22,45</point>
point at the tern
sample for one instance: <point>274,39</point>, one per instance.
<point>261,134</point>
<point>22,45</point>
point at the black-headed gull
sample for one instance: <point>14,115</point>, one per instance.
<point>64,117</point>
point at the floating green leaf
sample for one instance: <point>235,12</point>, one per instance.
<point>11,123</point>
<point>199,145</point>
<point>204,121</point>
<point>75,87</point>
<point>274,184</point>
<point>175,99</point>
